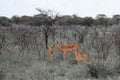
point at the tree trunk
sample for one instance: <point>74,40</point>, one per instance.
<point>46,40</point>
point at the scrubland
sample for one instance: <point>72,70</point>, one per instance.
<point>24,56</point>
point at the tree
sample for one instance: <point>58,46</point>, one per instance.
<point>102,41</point>
<point>4,21</point>
<point>22,37</point>
<point>117,40</point>
<point>77,20</point>
<point>101,19</point>
<point>88,21</point>
<point>47,24</point>
<point>116,19</point>
<point>65,20</point>
<point>15,19</point>
<point>26,20</point>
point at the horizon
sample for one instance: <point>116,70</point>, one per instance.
<point>81,8</point>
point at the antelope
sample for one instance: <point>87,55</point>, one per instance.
<point>79,56</point>
<point>65,48</point>
<point>50,53</point>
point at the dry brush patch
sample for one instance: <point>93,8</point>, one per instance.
<point>100,45</point>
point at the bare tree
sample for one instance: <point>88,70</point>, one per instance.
<point>81,32</point>
<point>47,27</point>
<point>3,40</point>
<point>47,31</point>
<point>102,42</point>
<point>117,40</point>
<point>22,36</point>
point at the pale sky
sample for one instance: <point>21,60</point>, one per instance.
<point>82,8</point>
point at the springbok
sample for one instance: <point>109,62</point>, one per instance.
<point>65,48</point>
<point>79,56</point>
<point>50,53</point>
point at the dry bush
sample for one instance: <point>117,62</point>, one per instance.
<point>2,75</point>
<point>24,37</point>
<point>102,41</point>
<point>117,40</point>
<point>3,40</point>
<point>117,48</point>
<point>98,45</point>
